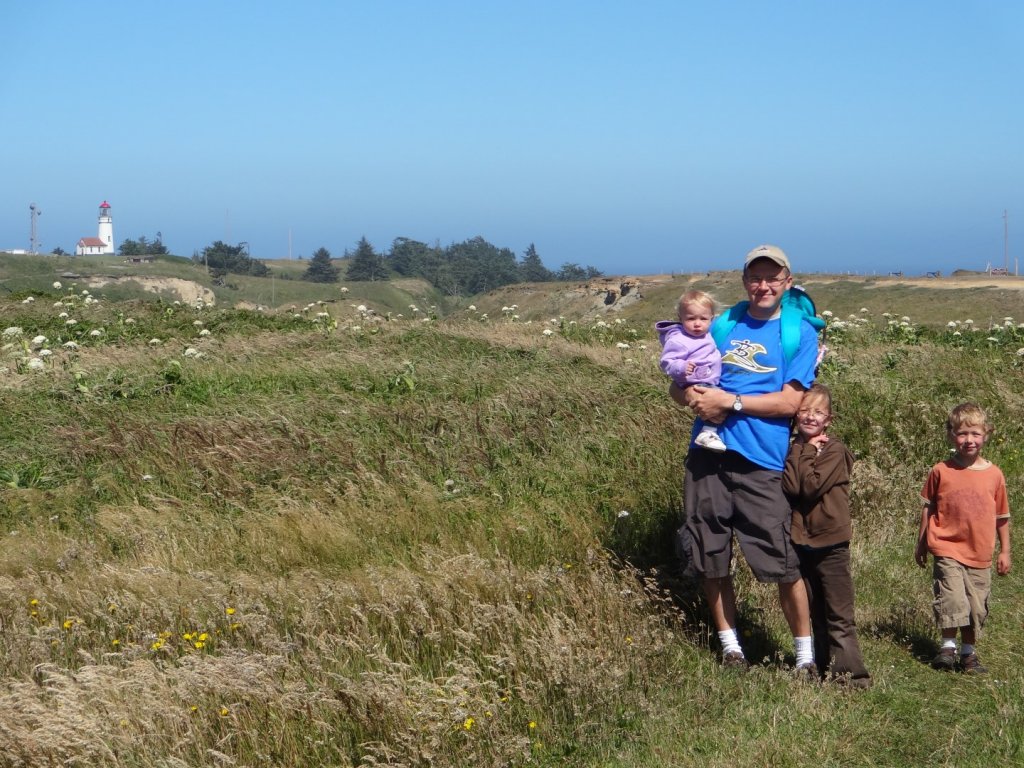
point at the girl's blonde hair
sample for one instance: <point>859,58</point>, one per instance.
<point>699,298</point>
<point>818,392</point>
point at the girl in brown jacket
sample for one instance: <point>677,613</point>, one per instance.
<point>817,482</point>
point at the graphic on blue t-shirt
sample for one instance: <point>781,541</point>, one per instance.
<point>743,355</point>
<point>753,363</point>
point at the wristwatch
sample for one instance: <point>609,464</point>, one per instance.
<point>737,404</point>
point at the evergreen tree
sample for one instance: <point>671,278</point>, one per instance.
<point>366,264</point>
<point>320,268</point>
<point>230,258</point>
<point>532,269</point>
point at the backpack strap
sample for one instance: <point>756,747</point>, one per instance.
<point>725,322</point>
<point>796,306</point>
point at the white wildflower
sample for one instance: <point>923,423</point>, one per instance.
<point>35,364</point>
<point>70,321</point>
<point>472,307</point>
<point>96,333</point>
<point>623,513</point>
<point>154,342</point>
<point>70,345</point>
<point>28,300</point>
<point>864,310</point>
<point>191,352</point>
<point>38,341</point>
<point>951,324</point>
<point>548,332</point>
<point>13,332</point>
<point>197,323</point>
<point>206,331</point>
<point>45,352</point>
<point>622,345</point>
<point>57,284</point>
<point>63,315</point>
<point>129,321</point>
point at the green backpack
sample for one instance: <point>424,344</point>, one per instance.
<point>796,305</point>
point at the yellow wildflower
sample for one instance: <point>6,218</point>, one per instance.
<point>33,602</point>
<point>229,611</point>
<point>532,725</point>
<point>224,711</point>
<point>199,644</point>
<point>203,636</point>
<point>468,723</point>
<point>69,623</point>
<point>115,642</point>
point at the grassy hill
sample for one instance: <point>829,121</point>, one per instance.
<point>326,537</point>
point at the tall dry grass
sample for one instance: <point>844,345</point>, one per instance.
<point>340,542</point>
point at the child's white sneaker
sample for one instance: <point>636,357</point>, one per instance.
<point>711,441</point>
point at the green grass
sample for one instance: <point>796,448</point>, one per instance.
<point>402,542</point>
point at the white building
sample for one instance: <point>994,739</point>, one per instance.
<point>104,240</point>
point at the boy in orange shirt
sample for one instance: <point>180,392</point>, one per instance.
<point>965,510</point>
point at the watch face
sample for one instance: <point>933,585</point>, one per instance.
<point>737,405</point>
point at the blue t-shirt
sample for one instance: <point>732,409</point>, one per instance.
<point>753,364</point>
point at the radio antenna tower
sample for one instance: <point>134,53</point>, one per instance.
<point>33,242</point>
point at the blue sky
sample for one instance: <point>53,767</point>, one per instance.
<point>637,137</point>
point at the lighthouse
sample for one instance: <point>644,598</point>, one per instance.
<point>104,240</point>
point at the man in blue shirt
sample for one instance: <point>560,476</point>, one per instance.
<point>739,492</point>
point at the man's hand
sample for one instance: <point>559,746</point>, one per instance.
<point>711,404</point>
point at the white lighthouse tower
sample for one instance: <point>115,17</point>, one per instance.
<point>106,229</point>
<point>104,240</point>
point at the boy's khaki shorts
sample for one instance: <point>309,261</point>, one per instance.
<point>961,594</point>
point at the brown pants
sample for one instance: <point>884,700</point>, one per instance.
<point>829,584</point>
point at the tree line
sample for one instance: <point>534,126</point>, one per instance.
<point>467,268</point>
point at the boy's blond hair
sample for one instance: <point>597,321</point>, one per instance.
<point>968,414</point>
<point>699,298</point>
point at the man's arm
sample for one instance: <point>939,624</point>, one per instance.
<point>714,405</point>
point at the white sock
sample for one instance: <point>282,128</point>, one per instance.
<point>730,642</point>
<point>967,649</point>
<point>804,650</point>
<point>949,642</point>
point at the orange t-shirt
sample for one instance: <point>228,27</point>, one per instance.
<point>965,503</point>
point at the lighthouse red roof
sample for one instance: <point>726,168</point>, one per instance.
<point>104,204</point>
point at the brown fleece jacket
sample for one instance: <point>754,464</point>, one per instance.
<point>818,488</point>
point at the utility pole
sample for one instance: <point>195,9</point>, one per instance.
<point>1006,242</point>
<point>34,214</point>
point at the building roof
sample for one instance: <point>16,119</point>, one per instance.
<point>91,241</point>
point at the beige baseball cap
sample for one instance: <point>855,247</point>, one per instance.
<point>772,252</point>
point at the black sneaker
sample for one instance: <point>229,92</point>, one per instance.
<point>971,665</point>
<point>734,660</point>
<point>807,672</point>
<point>945,660</point>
